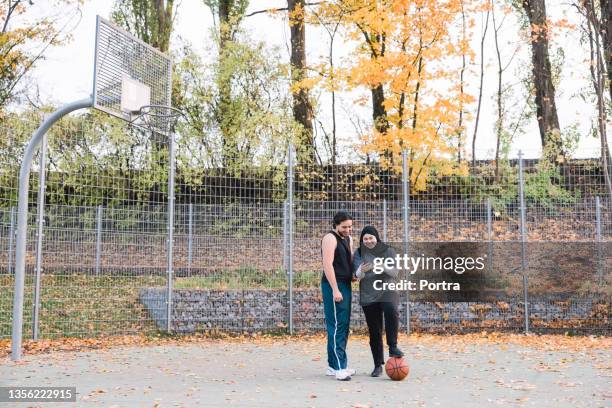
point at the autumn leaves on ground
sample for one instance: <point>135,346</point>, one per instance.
<point>481,369</point>
<point>540,342</point>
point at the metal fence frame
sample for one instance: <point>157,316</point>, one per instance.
<point>288,236</point>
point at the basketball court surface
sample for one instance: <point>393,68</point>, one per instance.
<point>282,372</point>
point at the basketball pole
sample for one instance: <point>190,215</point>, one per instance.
<point>22,217</point>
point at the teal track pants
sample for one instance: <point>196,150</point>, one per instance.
<point>337,321</point>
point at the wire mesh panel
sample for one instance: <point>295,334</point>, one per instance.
<point>13,136</point>
<point>105,262</point>
<point>480,206</point>
<point>105,228</point>
<point>229,261</point>
<point>128,69</point>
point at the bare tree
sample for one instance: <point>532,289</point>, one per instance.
<point>331,27</point>
<point>461,86</point>
<point>499,126</point>
<point>480,87</point>
<point>595,34</point>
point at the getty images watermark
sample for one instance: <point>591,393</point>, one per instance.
<point>458,265</point>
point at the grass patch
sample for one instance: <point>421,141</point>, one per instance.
<point>249,278</point>
<point>80,305</point>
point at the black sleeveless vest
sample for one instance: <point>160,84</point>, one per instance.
<point>343,267</point>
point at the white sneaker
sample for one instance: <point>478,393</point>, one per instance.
<point>331,371</point>
<point>343,375</point>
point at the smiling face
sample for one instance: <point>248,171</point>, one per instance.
<point>369,240</point>
<point>345,228</point>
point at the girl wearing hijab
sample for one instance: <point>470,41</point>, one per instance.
<point>377,303</point>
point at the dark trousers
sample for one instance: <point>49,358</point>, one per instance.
<point>374,318</point>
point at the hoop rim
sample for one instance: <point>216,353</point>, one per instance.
<point>157,118</point>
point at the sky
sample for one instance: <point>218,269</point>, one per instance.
<point>66,73</point>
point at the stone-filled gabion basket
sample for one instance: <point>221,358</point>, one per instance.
<point>266,310</point>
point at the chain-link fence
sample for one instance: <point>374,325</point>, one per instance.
<point>244,253</point>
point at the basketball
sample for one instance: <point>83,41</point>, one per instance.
<point>396,368</point>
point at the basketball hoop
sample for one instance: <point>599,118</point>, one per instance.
<point>157,118</point>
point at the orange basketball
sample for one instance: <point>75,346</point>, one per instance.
<point>396,368</point>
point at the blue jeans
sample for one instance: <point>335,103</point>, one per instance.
<point>337,321</point>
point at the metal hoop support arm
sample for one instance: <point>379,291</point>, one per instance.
<point>22,217</point>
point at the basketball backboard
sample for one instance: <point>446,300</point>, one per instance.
<point>128,73</point>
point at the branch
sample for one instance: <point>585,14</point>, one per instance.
<point>9,13</point>
<point>278,9</point>
<point>369,41</point>
<point>38,56</point>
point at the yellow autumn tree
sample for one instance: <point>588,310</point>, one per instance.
<point>411,52</point>
<point>26,32</point>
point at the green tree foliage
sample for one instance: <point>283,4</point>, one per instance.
<point>150,20</point>
<point>92,159</point>
<point>544,186</point>
<point>229,14</point>
<point>256,116</point>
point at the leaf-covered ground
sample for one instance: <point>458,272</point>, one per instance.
<point>482,369</point>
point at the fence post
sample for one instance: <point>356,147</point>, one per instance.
<point>490,234</point>
<point>290,223</point>
<point>190,239</point>
<point>98,238</point>
<point>171,171</point>
<point>522,232</point>
<point>39,235</point>
<point>598,238</point>
<point>11,241</point>
<point>384,219</point>
<point>285,260</point>
<point>406,215</point>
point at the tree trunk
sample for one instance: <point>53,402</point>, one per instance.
<point>548,120</point>
<point>461,92</point>
<point>164,24</point>
<point>606,28</point>
<point>302,108</point>
<point>606,23</point>
<point>379,113</point>
<point>224,85</point>
<point>596,33</point>
<point>499,126</point>
<point>482,40</point>
<point>606,33</point>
